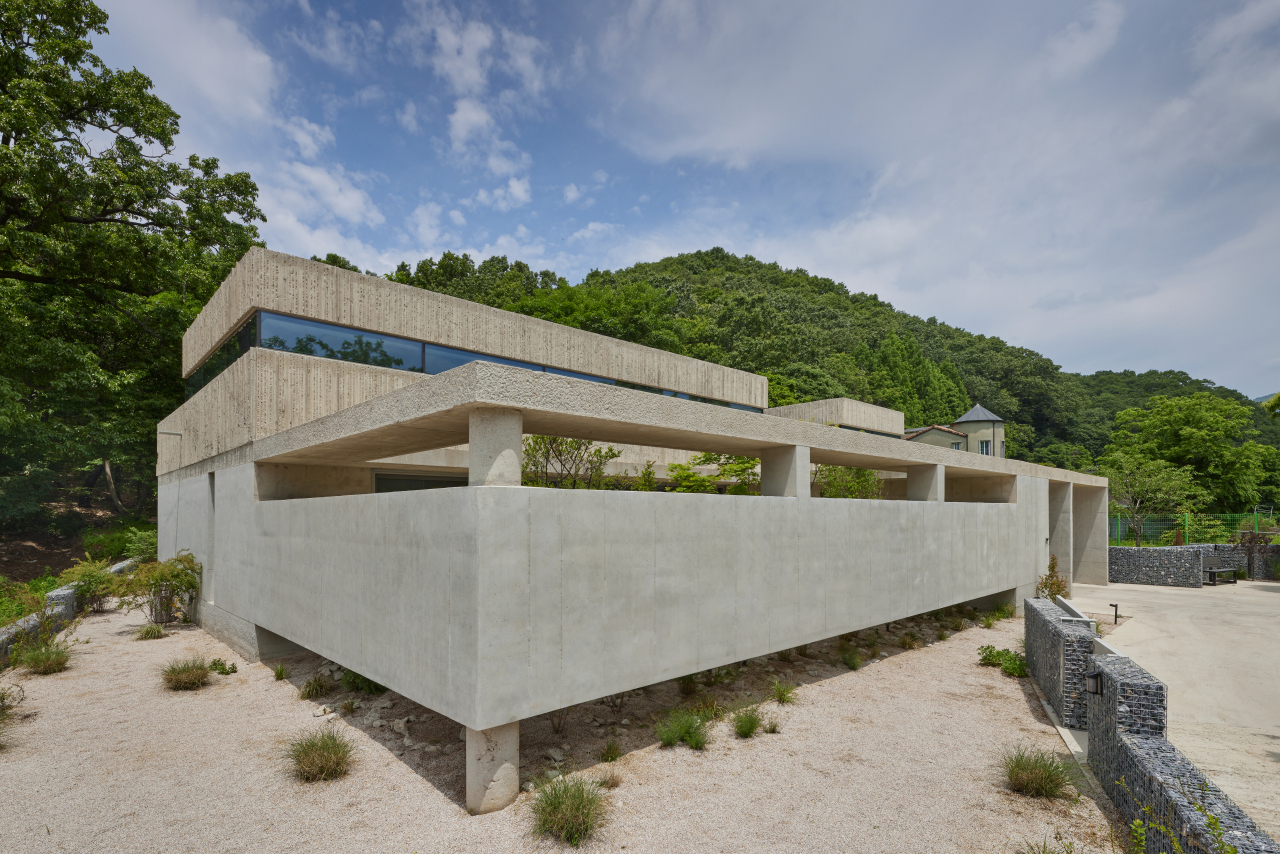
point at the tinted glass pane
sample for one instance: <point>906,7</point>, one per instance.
<point>225,356</point>
<point>440,359</point>
<point>406,483</point>
<point>312,338</point>
<point>577,376</point>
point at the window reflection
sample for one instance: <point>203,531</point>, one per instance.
<point>312,338</point>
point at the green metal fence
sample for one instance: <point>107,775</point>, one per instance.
<point>1194,527</point>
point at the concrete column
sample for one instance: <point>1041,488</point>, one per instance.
<point>1061,533</point>
<point>785,472</point>
<point>927,483</point>
<point>493,767</point>
<point>1089,549</point>
<point>495,446</point>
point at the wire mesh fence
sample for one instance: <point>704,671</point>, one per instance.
<point>1182,528</point>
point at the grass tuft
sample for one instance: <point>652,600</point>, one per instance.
<point>568,809</point>
<point>988,621</point>
<point>348,707</point>
<point>803,650</point>
<point>610,778</point>
<point>747,721</point>
<point>281,672</point>
<point>186,674</point>
<point>783,692</point>
<point>352,681</point>
<point>909,640</point>
<point>785,656</point>
<point>612,752</point>
<point>1037,772</point>
<point>151,631</point>
<point>1012,663</point>
<point>688,685</point>
<point>957,624</point>
<point>772,726</point>
<point>45,658</point>
<point>851,659</point>
<point>942,634</point>
<point>316,686</point>
<point>324,754</point>
<point>682,725</point>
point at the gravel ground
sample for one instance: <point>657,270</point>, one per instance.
<point>899,756</point>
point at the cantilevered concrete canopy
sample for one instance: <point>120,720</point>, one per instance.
<point>434,413</point>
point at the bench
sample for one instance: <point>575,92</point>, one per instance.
<point>1213,568</point>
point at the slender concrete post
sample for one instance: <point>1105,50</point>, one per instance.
<point>493,768</point>
<point>927,483</point>
<point>1061,530</point>
<point>496,451</point>
<point>785,472</point>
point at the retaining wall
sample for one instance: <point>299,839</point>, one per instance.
<point>60,604</point>
<point>1127,743</point>
<point>1057,656</point>
<point>1169,566</point>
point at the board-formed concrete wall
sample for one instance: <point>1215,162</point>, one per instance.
<point>1168,566</point>
<point>493,604</point>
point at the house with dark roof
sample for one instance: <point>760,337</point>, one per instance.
<point>978,431</point>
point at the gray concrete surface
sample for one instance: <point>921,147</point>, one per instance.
<point>1218,652</point>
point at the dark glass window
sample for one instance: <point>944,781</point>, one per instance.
<point>438,359</point>
<point>313,338</point>
<point>233,348</point>
<point>413,480</point>
<point>591,378</point>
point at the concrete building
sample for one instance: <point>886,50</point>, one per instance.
<point>978,431</point>
<point>286,475</point>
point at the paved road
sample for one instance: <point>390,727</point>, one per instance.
<point>1217,649</point>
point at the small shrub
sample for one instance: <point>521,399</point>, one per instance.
<point>142,544</point>
<point>151,631</point>
<point>782,692</point>
<point>612,752</point>
<point>186,674</point>
<point>568,809</point>
<point>1051,584</point>
<point>281,672</point>
<point>44,658</point>
<point>747,721</point>
<point>957,624</point>
<point>988,620</point>
<point>851,659</point>
<point>222,668</point>
<point>352,681</point>
<point>92,582</point>
<point>316,686</point>
<point>324,754</point>
<point>688,685</point>
<point>803,650</point>
<point>682,725</point>
<point>942,634</point>
<point>162,588</point>
<point>1012,663</point>
<point>1006,611</point>
<point>785,656</point>
<point>909,640</point>
<point>1037,772</point>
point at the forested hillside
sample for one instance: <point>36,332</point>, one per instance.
<point>814,339</point>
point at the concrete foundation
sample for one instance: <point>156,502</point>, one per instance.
<point>493,768</point>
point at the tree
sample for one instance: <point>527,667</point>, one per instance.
<point>848,482</point>
<point>1143,487</point>
<point>108,249</point>
<point>1272,405</point>
<point>1208,434</point>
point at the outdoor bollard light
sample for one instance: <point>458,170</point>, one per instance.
<point>1093,682</point>
<point>1117,607</point>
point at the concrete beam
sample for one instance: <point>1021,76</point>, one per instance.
<point>496,447</point>
<point>784,472</point>
<point>927,483</point>
<point>493,768</point>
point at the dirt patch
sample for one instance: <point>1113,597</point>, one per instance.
<point>899,756</point>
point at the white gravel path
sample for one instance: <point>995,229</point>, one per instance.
<point>899,756</point>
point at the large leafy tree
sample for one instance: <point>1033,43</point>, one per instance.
<point>1209,435</point>
<point>1142,487</point>
<point>109,246</point>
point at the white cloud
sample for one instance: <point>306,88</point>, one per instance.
<point>571,193</point>
<point>426,223</point>
<point>592,230</point>
<point>344,45</point>
<point>407,116</point>
<point>322,193</point>
<point>600,176</point>
<point>1079,46</point>
<point>457,218</point>
<point>307,136</point>
<point>522,60</point>
<point>514,195</point>
<point>469,120</point>
<point>644,197</point>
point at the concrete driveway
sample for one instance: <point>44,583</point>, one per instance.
<point>1217,649</point>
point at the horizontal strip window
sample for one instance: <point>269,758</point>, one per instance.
<point>331,341</point>
<point>865,430</point>
<point>409,481</point>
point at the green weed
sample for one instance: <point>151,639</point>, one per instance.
<point>222,668</point>
<point>281,672</point>
<point>1037,772</point>
<point>851,659</point>
<point>352,681</point>
<point>151,631</point>
<point>682,725</point>
<point>186,674</point>
<point>316,686</point>
<point>1012,663</point>
<point>568,809</point>
<point>324,754</point>
<point>612,752</point>
<point>688,685</point>
<point>747,721</point>
<point>782,692</point>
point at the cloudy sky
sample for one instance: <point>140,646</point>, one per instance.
<point>1097,181</point>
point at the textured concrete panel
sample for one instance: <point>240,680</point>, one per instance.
<point>842,410</point>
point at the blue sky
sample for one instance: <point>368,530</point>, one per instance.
<point>1097,181</point>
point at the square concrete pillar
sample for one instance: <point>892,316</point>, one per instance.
<point>493,768</point>
<point>785,472</point>
<point>1089,523</point>
<point>927,483</point>
<point>1061,531</point>
<point>495,442</point>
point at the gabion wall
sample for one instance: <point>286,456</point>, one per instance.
<point>1170,566</point>
<point>1127,743</point>
<point>1057,655</point>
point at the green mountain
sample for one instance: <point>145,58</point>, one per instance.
<point>814,340</point>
